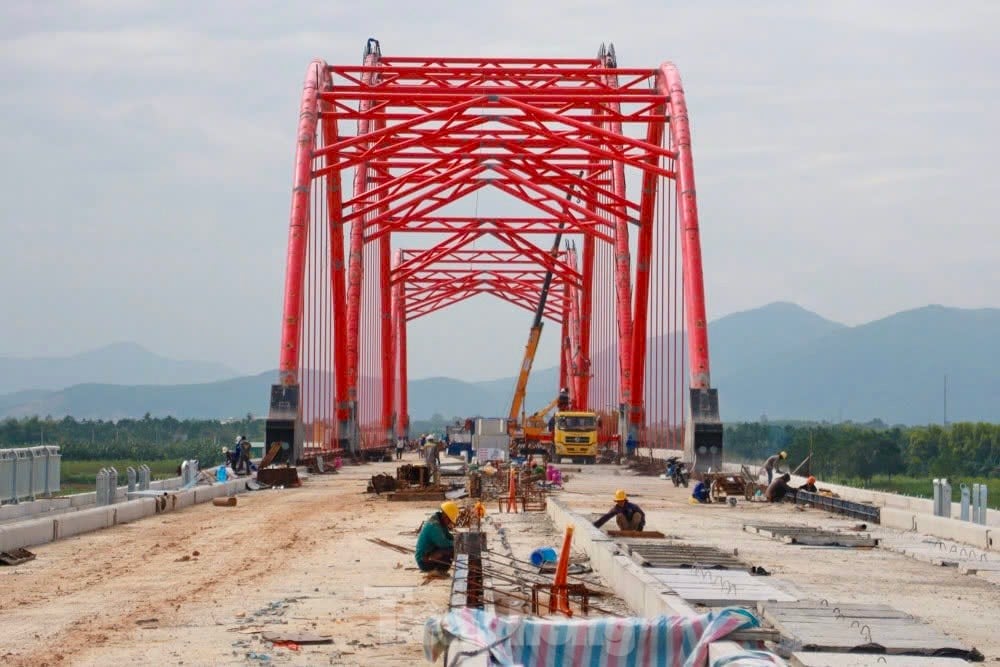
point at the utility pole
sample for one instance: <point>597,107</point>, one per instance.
<point>945,420</point>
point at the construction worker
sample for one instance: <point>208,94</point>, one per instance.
<point>432,458</point>
<point>400,446</point>
<point>772,463</point>
<point>564,398</point>
<point>435,544</point>
<point>810,485</point>
<point>628,515</point>
<point>243,463</point>
<point>778,489</point>
<point>700,492</point>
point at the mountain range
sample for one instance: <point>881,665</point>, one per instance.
<point>778,360</point>
<point>118,363</point>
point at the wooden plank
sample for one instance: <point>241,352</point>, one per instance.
<point>651,534</point>
<point>409,496</point>
<point>806,659</point>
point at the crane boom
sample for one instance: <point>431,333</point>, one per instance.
<point>536,329</point>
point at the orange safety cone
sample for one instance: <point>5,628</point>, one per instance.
<point>512,496</point>
<point>558,596</point>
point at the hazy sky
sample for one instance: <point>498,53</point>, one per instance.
<point>844,154</point>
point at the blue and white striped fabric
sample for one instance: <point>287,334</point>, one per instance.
<point>671,641</point>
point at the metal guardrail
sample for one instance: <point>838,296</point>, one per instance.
<point>840,506</point>
<point>29,472</point>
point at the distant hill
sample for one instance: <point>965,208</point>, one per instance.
<point>780,360</point>
<point>741,340</point>
<point>892,368</point>
<point>118,363</point>
<point>213,400</point>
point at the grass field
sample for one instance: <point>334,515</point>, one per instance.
<point>80,476</point>
<point>924,487</point>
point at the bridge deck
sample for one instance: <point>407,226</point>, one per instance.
<point>138,594</point>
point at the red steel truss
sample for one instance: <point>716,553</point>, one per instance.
<point>559,136</point>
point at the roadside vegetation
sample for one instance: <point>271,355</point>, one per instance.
<point>898,459</point>
<point>87,446</point>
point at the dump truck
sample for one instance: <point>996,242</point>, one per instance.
<point>574,436</point>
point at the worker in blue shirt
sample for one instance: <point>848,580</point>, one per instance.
<point>700,492</point>
<point>628,515</point>
<point>435,545</point>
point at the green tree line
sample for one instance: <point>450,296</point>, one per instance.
<point>864,450</point>
<point>146,439</point>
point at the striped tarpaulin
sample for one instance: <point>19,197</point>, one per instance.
<point>671,641</point>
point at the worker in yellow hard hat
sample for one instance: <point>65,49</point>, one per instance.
<point>435,545</point>
<point>772,463</point>
<point>628,515</point>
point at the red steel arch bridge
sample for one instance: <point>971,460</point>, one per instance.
<point>391,151</point>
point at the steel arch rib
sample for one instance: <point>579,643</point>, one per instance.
<point>669,83</point>
<point>316,78</point>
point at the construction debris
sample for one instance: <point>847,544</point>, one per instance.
<point>413,475</point>
<point>390,545</point>
<point>224,502</point>
<point>648,466</point>
<point>287,477</point>
<point>301,638</point>
<point>16,557</point>
<point>382,483</point>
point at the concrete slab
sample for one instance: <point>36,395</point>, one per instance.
<point>133,510</point>
<point>83,499</point>
<point>83,521</point>
<point>26,534</point>
<point>826,659</point>
<point>715,588</point>
<point>13,512</point>
<point>952,529</point>
<point>181,499</point>
<point>898,519</point>
<point>206,493</point>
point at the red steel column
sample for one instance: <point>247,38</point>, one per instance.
<point>385,304</point>
<point>298,226</point>
<point>623,276</point>
<point>647,211</point>
<point>338,287</point>
<point>404,404</point>
<point>356,260</point>
<point>669,83</point>
<point>586,310</point>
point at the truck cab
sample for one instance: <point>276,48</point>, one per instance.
<point>575,436</point>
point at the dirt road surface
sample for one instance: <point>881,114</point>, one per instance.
<point>192,587</point>
<point>197,586</point>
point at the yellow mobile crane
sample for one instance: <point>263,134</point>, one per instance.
<point>531,438</point>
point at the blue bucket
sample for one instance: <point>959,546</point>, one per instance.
<point>543,555</point>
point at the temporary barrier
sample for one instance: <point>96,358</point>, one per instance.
<point>7,459</point>
<point>29,472</point>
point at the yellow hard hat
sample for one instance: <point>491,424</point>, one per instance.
<point>620,495</point>
<point>783,455</point>
<point>450,509</point>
